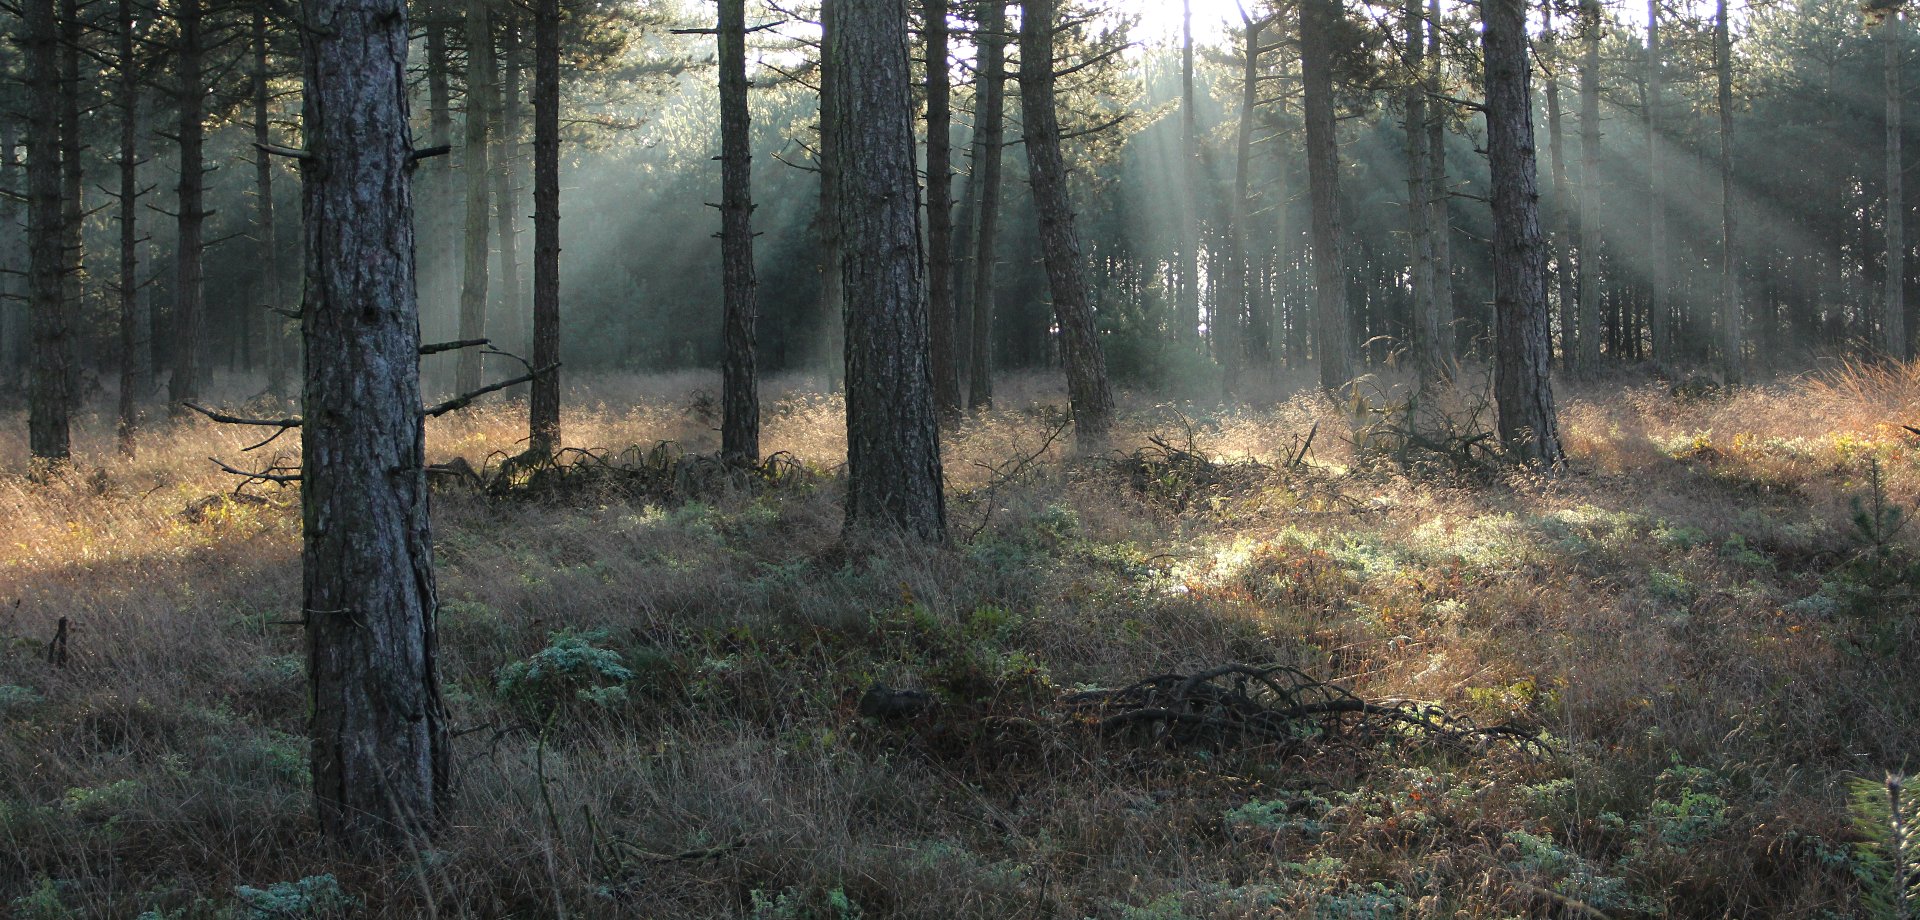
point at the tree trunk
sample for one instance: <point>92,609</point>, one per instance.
<point>48,385</point>
<point>73,179</point>
<point>437,268</point>
<point>1429,354</point>
<point>1231,307</point>
<point>1523,392</point>
<point>131,341</point>
<point>544,406</point>
<point>1588,340</point>
<point>893,437</point>
<point>506,144</point>
<point>1732,318</point>
<point>189,309</point>
<point>1658,310</point>
<point>13,256</point>
<point>940,299</point>
<point>833,296</point>
<point>1332,326</point>
<point>1893,310</point>
<point>1187,321</point>
<point>1561,248</point>
<point>988,151</point>
<point>1440,222</point>
<point>1442,193</point>
<point>473,162</point>
<point>273,291</point>
<point>380,751</point>
<point>1087,388</point>
<point>740,397</point>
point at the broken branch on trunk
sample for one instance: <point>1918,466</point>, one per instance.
<point>466,399</point>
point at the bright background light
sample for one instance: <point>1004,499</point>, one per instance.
<point>1160,19</point>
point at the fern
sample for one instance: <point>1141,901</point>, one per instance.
<point>1888,816</point>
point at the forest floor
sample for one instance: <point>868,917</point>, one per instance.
<point>1709,619</point>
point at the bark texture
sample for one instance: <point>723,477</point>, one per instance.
<point>1523,392</point>
<point>49,395</point>
<point>1332,327</point>
<point>988,149</point>
<point>893,438</point>
<point>380,752</point>
<point>189,303</point>
<point>544,404</point>
<point>739,392</point>
<point>1087,388</point>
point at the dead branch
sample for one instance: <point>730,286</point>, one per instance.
<point>466,399</point>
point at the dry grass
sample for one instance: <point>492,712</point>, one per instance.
<point>1682,611</point>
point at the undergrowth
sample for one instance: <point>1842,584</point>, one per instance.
<point>655,669</point>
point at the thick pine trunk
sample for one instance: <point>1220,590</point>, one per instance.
<point>380,748</point>
<point>1087,387</point>
<point>1332,327</point>
<point>48,389</point>
<point>473,162</point>
<point>1893,310</point>
<point>1732,311</point>
<point>1588,340</point>
<point>1523,393</point>
<point>893,437</point>
<point>189,305</point>
<point>940,299</point>
<point>988,151</point>
<point>740,395</point>
<point>544,405</point>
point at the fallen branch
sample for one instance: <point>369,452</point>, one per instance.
<point>1277,704</point>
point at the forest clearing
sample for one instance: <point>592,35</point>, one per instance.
<point>1709,642</point>
<point>860,459</point>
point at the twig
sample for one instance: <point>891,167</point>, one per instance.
<point>466,399</point>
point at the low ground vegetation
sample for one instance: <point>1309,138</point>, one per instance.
<point>657,669</point>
